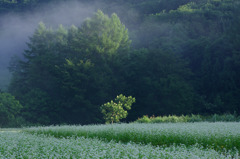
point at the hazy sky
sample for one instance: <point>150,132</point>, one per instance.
<point>15,29</point>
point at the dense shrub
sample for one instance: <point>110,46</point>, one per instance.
<point>189,118</point>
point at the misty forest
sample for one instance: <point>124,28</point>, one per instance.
<point>60,61</point>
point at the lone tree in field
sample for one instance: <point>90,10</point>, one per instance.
<point>114,111</point>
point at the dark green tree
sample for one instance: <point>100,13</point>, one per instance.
<point>34,81</point>
<point>67,74</point>
<point>9,110</point>
<point>100,36</point>
<point>89,74</point>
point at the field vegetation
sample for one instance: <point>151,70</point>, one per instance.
<point>219,136</point>
<point>189,118</point>
<point>22,145</point>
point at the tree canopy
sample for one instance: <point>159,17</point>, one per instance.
<point>9,110</point>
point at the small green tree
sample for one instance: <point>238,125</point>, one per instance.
<point>114,111</point>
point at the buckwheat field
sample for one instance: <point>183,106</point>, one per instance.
<point>165,140</point>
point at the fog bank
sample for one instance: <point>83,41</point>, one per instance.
<point>15,29</point>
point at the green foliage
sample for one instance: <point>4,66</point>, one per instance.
<point>162,76</point>
<point>144,119</point>
<point>115,110</point>
<point>4,78</point>
<point>196,118</point>
<point>223,118</point>
<point>165,119</point>
<point>76,79</point>
<point>9,110</point>
<point>184,60</point>
<point>189,118</point>
<point>103,35</point>
<point>69,71</point>
<point>34,81</point>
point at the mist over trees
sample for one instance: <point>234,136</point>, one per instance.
<point>175,57</point>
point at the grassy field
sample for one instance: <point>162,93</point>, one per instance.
<point>218,135</point>
<point>165,140</point>
<point>22,145</point>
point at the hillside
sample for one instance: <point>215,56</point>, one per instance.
<point>173,56</point>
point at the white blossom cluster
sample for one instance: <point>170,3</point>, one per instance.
<point>27,146</point>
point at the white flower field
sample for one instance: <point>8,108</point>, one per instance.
<point>169,140</point>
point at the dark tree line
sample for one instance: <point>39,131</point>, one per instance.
<point>183,58</point>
